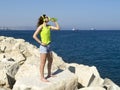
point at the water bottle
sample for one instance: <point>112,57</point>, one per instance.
<point>53,19</point>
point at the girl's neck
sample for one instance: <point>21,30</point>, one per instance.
<point>45,24</point>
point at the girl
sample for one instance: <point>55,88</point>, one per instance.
<point>45,49</point>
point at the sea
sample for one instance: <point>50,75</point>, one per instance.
<point>100,48</point>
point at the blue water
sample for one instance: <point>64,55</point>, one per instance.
<point>100,48</point>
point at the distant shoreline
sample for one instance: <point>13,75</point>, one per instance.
<point>62,30</point>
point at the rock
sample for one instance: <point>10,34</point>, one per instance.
<point>4,88</point>
<point>11,72</point>
<point>12,51</point>
<point>109,85</point>
<point>6,44</point>
<point>34,62</point>
<point>15,55</point>
<point>93,88</point>
<point>58,62</point>
<point>21,47</point>
<point>2,38</point>
<point>31,66</point>
<point>19,70</point>
<point>3,70</point>
<point>64,80</point>
<point>87,76</point>
<point>32,49</point>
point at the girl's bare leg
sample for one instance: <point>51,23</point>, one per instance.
<point>50,60</point>
<point>42,65</point>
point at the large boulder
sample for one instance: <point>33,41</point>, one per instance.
<point>28,76</point>
<point>2,88</point>
<point>87,76</point>
<point>110,85</point>
<point>4,67</point>
<point>3,79</point>
<point>32,64</point>
<point>93,88</point>
<point>12,56</point>
<point>13,53</point>
<point>64,80</point>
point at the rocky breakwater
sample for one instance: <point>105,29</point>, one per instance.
<point>19,70</point>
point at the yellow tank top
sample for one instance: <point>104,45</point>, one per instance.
<point>45,35</point>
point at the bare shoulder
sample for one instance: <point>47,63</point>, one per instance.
<point>39,27</point>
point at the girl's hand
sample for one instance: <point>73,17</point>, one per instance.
<point>53,19</point>
<point>43,44</point>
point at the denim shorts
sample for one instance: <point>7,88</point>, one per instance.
<point>45,49</point>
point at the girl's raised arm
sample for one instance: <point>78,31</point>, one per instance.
<point>56,27</point>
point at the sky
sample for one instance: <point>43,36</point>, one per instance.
<point>81,14</point>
